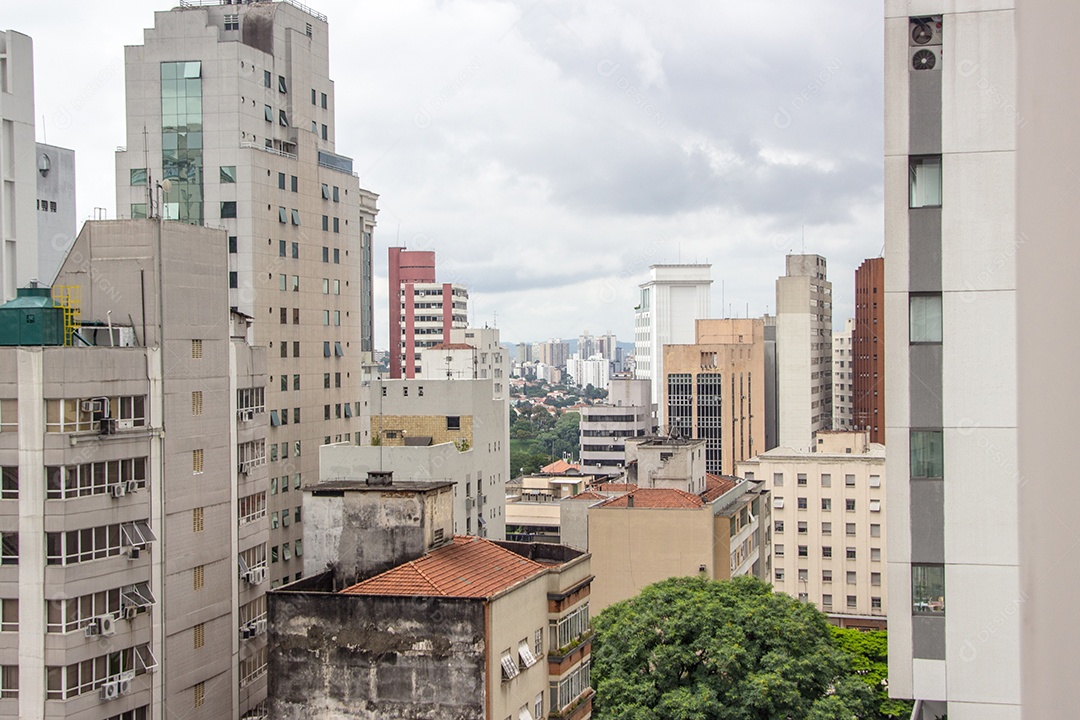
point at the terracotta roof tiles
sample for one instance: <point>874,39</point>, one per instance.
<point>468,567</point>
<point>666,498</point>
<point>715,486</point>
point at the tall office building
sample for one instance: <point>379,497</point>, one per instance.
<point>121,540</point>
<point>981,208</point>
<point>672,299</point>
<point>18,227</point>
<point>230,123</point>
<point>55,208</point>
<point>423,311</point>
<point>803,350</point>
<point>868,348</point>
<point>843,376</point>
<point>714,390</point>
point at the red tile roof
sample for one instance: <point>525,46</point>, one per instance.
<point>469,567</point>
<point>559,466</point>
<point>656,498</point>
<point>715,486</point>
<point>587,495</point>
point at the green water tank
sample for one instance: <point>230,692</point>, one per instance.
<point>31,319</point>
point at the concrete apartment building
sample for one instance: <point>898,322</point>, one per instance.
<point>675,520</point>
<point>868,347</point>
<point>828,525</point>
<point>423,311</point>
<point>122,598</point>
<point>980,208</point>
<point>55,208</point>
<point>233,105</point>
<point>604,428</point>
<point>671,301</point>
<point>714,390</point>
<point>436,430</point>
<point>803,350</point>
<point>553,352</point>
<point>843,376</point>
<point>437,625</point>
<point>18,164</point>
<point>470,354</point>
<point>593,370</point>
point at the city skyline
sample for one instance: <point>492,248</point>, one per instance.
<point>482,106</point>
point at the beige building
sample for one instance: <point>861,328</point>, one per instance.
<point>119,585</point>
<point>230,123</point>
<point>828,524</point>
<point>843,376</point>
<point>451,430</point>
<point>715,390</point>
<point>455,626</point>
<point>469,354</point>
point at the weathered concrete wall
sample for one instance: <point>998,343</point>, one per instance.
<point>356,657</point>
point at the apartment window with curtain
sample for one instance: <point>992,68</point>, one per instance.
<point>924,176</point>
<point>924,318</point>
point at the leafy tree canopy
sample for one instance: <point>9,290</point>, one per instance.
<point>698,649</point>
<point>868,654</point>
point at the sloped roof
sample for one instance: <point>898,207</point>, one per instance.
<point>469,567</point>
<point>559,466</point>
<point>715,486</point>
<point>587,495</point>
<point>614,487</point>
<point>667,498</point>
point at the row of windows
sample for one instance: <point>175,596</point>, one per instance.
<point>284,483</point>
<point>89,675</point>
<point>850,529</point>
<point>826,504</point>
<point>85,414</point>
<point>71,614</point>
<point>70,481</point>
<point>825,480</point>
<point>850,553</point>
<point>286,516</point>
<point>827,576</point>
<point>287,551</point>
<point>76,546</point>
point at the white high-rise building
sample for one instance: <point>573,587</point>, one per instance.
<point>803,350</point>
<point>980,269</point>
<point>230,123</point>
<point>843,376</point>
<point>673,298</point>
<point>18,164</point>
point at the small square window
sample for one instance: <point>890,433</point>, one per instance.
<point>875,579</point>
<point>453,422</point>
<point>778,479</point>
<point>849,481</point>
<point>852,577</point>
<point>852,602</point>
<point>778,526</point>
<point>826,551</point>
<point>826,600</point>
<point>800,479</point>
<point>849,504</point>
<point>826,576</point>
<point>804,551</point>
<point>826,528</point>
<point>228,209</point>
<point>227,173</point>
<point>849,529</point>
<point>778,550</point>
<point>850,553</point>
<point>875,529</point>
<point>826,504</point>
<point>826,480</point>
<point>138,176</point>
<point>802,527</point>
<point>802,503</point>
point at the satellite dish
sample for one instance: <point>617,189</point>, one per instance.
<point>166,185</point>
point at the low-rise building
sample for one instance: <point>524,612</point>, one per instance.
<point>828,524</point>
<point>534,502</point>
<point>455,627</point>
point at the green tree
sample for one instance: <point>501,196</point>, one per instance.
<point>868,654</point>
<point>698,649</point>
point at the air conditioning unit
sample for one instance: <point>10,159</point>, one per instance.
<point>125,424</point>
<point>926,58</point>
<point>925,31</point>
<point>107,426</point>
<point>110,690</point>
<point>123,686</point>
<point>118,490</point>
<point>256,575</point>
<point>133,553</point>
<point>247,631</point>
<point>259,626</point>
<point>92,406</point>
<point>246,415</point>
<point>243,468</point>
<point>131,485</point>
<point>130,612</point>
<point>106,625</point>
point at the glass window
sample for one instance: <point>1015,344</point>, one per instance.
<point>295,217</point>
<point>232,244</point>
<point>927,454</point>
<point>324,134</point>
<point>138,176</point>
<point>227,173</point>
<point>326,254</point>
<point>281,181</point>
<point>337,195</point>
<point>281,84</point>
<point>268,113</point>
<point>234,279</point>
<point>281,249</point>
<point>283,119</point>
<point>296,251</point>
<point>928,589</point>
<point>924,315</point>
<point>283,215</point>
<point>925,181</point>
<point>323,101</point>
<point>268,79</point>
<point>294,184</point>
<point>337,226</point>
<point>337,255</point>
<point>228,209</point>
<point>138,211</point>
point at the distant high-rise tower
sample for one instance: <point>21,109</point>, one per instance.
<point>670,302</point>
<point>868,348</point>
<point>842,376</point>
<point>18,199</point>
<point>423,311</point>
<point>803,350</point>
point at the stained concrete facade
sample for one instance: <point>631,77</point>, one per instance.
<point>181,361</point>
<point>246,138</point>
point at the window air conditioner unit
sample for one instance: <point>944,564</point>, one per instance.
<point>130,612</point>
<point>92,406</point>
<point>110,690</point>
<point>926,58</point>
<point>107,426</point>
<point>259,626</point>
<point>118,490</point>
<point>247,631</point>
<point>256,575</point>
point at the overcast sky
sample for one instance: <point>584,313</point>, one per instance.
<point>550,151</point>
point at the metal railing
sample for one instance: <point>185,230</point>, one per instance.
<point>208,3</point>
<point>272,151</point>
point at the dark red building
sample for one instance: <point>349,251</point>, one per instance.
<point>868,348</point>
<point>406,267</point>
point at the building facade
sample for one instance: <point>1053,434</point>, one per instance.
<point>605,428</point>
<point>674,297</point>
<point>123,590</point>
<point>979,139</point>
<point>230,123</point>
<point>470,354</point>
<point>714,390</point>
<point>55,208</point>
<point>18,165</point>
<point>423,312</point>
<point>803,350</point>
<point>828,525</point>
<point>843,376</point>
<point>593,370</point>
<point>868,348</point>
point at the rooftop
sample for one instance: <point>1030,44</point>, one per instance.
<point>452,346</point>
<point>716,486</point>
<point>469,567</point>
<point>343,485</point>
<point>665,498</point>
<point>558,467</point>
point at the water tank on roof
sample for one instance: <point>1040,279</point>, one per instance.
<point>31,319</point>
